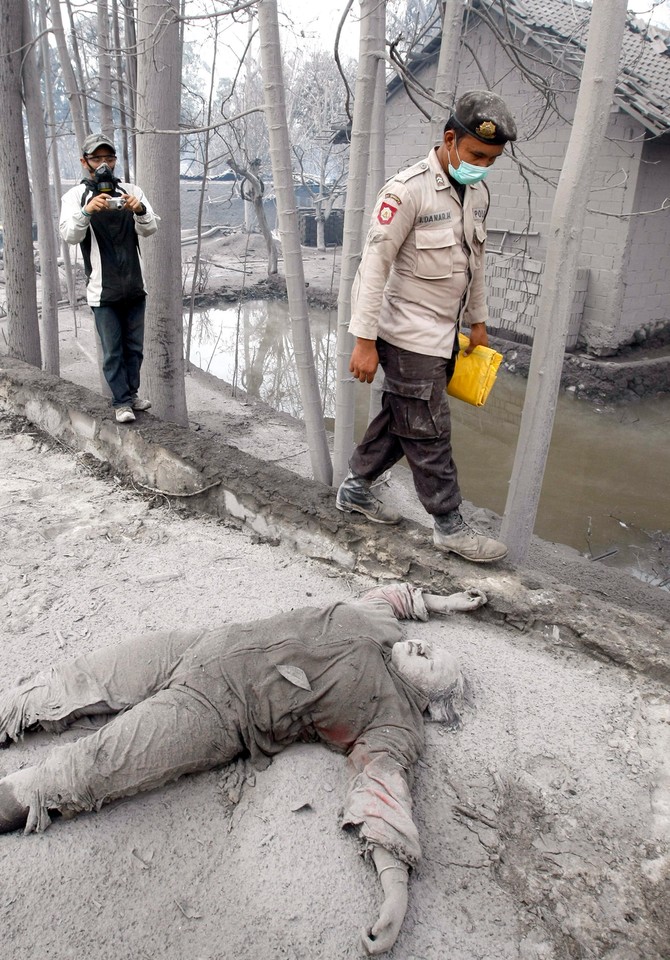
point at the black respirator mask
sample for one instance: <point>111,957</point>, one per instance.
<point>103,179</point>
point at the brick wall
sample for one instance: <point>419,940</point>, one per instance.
<point>646,274</point>
<point>623,262</point>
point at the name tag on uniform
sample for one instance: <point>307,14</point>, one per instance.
<point>435,217</point>
<point>478,213</point>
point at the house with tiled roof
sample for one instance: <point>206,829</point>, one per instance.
<point>531,52</point>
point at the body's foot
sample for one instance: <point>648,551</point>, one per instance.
<point>453,535</point>
<point>13,816</point>
<point>124,415</point>
<point>356,496</point>
<point>139,403</point>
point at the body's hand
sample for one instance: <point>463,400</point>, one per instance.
<point>392,873</point>
<point>478,337</point>
<point>132,203</point>
<point>457,602</point>
<point>384,932</point>
<point>364,360</point>
<point>96,204</point>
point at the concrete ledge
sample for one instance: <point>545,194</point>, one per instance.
<point>211,477</point>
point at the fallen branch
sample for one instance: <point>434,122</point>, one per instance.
<point>166,493</point>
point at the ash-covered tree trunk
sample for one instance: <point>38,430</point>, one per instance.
<point>42,203</point>
<point>53,150</point>
<point>201,204</point>
<point>280,154</point>
<point>104,70</point>
<point>377,174</point>
<point>354,212</point>
<point>130,32</point>
<point>72,89</point>
<point>121,89</point>
<point>77,64</point>
<point>22,327</point>
<point>446,79</point>
<point>158,103</point>
<point>594,102</point>
<point>253,197</point>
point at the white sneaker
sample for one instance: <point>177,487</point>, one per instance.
<point>124,415</point>
<point>138,403</point>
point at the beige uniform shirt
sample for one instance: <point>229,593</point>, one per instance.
<point>423,259</point>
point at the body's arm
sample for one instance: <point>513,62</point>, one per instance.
<point>476,313</point>
<point>74,223</point>
<point>380,805</point>
<point>456,602</point>
<point>75,220</point>
<point>393,876</point>
<point>146,221</point>
<point>392,220</point>
<point>411,603</point>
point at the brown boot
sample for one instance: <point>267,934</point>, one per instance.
<point>453,535</point>
<point>355,496</point>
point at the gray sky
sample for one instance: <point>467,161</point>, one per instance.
<point>314,23</point>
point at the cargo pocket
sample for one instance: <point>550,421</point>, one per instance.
<point>478,241</point>
<point>412,413</point>
<point>434,253</point>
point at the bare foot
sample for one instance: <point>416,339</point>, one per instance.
<point>12,815</point>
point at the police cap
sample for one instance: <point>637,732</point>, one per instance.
<point>95,140</point>
<point>483,115</point>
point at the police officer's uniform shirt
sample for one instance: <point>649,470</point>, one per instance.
<point>423,262</point>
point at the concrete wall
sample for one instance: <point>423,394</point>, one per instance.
<point>617,275</point>
<point>646,274</point>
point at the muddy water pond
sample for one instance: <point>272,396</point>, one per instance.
<point>606,486</point>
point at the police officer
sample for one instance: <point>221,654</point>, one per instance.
<point>420,277</point>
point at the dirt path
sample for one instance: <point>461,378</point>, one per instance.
<point>544,822</point>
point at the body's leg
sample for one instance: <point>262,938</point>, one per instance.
<point>109,325</point>
<point>420,418</point>
<point>133,343</point>
<point>105,681</point>
<point>416,410</point>
<point>174,732</point>
<point>380,448</point>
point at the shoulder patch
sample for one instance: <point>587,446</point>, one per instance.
<point>386,213</point>
<point>392,196</point>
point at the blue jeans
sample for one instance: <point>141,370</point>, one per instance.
<point>120,327</point>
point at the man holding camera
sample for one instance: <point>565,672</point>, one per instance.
<point>106,217</point>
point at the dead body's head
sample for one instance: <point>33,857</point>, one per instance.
<point>436,673</point>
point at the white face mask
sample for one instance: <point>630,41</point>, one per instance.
<point>466,173</point>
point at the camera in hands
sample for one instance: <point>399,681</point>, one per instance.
<point>116,203</point>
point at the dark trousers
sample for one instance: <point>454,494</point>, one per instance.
<point>120,326</point>
<point>414,422</point>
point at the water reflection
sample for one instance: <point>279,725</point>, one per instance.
<point>605,489</point>
<point>249,346</point>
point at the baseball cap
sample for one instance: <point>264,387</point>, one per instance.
<point>95,140</point>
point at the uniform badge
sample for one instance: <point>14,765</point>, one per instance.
<point>392,196</point>
<point>487,129</point>
<point>386,213</point>
<point>439,180</point>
